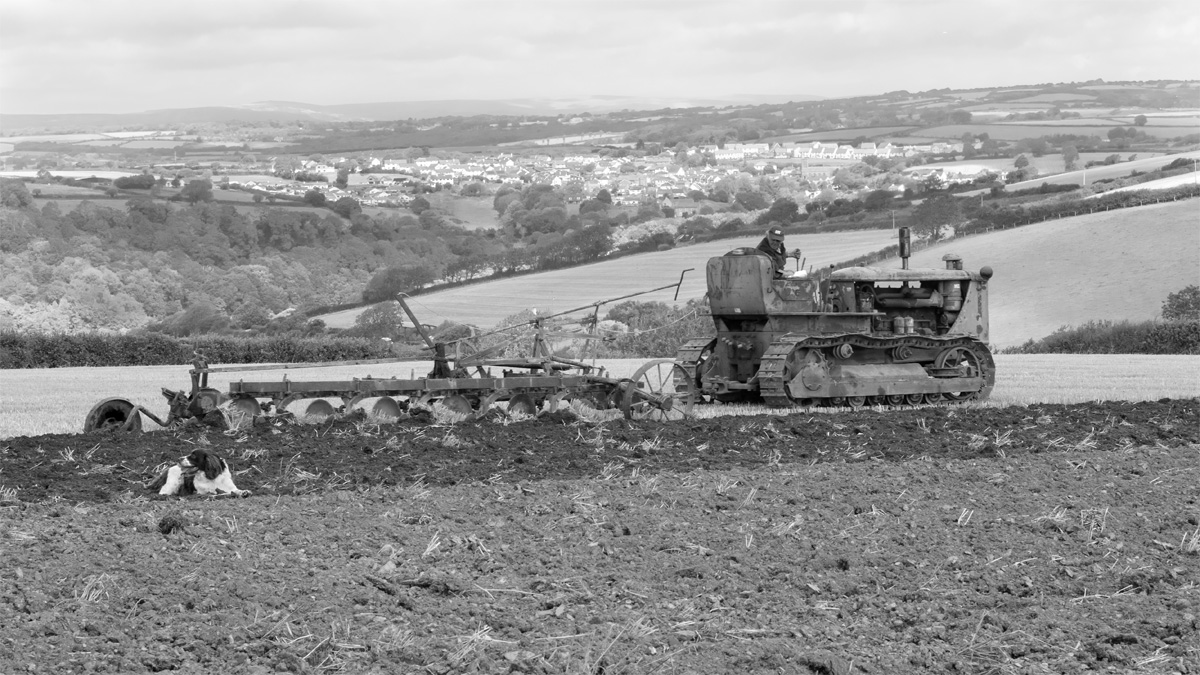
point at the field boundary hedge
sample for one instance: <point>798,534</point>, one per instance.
<point>61,350</point>
<point>1119,337</point>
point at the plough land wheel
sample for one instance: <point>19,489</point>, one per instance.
<point>113,414</point>
<point>659,390</point>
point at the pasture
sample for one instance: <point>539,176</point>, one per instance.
<point>70,173</point>
<point>155,145</point>
<point>1095,173</point>
<point>1048,164</point>
<point>1011,131</point>
<point>1161,183</point>
<point>56,401</point>
<point>48,190</point>
<point>1112,265</point>
<point>474,213</point>
<point>840,134</point>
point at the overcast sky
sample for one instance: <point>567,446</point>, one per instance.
<point>90,56</point>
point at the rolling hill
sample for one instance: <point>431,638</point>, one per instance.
<point>1114,265</point>
<point>291,111</point>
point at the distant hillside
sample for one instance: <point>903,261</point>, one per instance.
<point>291,111</point>
<point>16,124</point>
<point>398,110</point>
<point>1111,265</point>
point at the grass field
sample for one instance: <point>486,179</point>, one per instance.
<point>66,205</point>
<point>70,173</point>
<point>1016,132</point>
<point>1090,176</point>
<point>62,397</point>
<point>48,190</point>
<point>1052,164</point>
<point>838,134</point>
<point>1114,265</point>
<point>1162,183</point>
<point>486,304</point>
<point>476,213</point>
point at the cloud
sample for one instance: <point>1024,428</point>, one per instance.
<point>129,55</point>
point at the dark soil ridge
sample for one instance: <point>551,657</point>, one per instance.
<point>287,458</point>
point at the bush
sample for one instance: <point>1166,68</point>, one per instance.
<point>143,181</point>
<point>1183,305</point>
<point>1124,337</point>
<point>657,330</point>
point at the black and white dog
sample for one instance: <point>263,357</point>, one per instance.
<point>199,473</point>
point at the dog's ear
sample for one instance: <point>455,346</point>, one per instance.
<point>210,464</point>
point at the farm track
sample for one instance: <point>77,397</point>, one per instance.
<point>1040,538</point>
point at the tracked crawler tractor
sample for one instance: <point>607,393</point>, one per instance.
<point>848,337</point>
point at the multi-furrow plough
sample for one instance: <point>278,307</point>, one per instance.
<point>463,380</point>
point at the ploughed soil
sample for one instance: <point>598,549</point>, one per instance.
<point>1038,539</point>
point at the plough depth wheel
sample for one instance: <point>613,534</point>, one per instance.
<point>659,390</point>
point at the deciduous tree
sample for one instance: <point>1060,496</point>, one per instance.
<point>935,213</point>
<point>1070,156</point>
<point>877,200</point>
<point>197,191</point>
<point>398,279</point>
<point>1183,305</point>
<point>314,197</point>
<point>346,207</point>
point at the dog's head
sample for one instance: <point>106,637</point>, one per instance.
<point>210,464</point>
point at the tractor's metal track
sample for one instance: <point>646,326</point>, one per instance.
<point>772,382</point>
<point>688,357</point>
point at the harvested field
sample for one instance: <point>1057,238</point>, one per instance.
<point>1021,539</point>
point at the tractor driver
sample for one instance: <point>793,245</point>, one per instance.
<point>772,247</point>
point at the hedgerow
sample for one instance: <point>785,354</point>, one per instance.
<point>1121,337</point>
<point>60,350</point>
